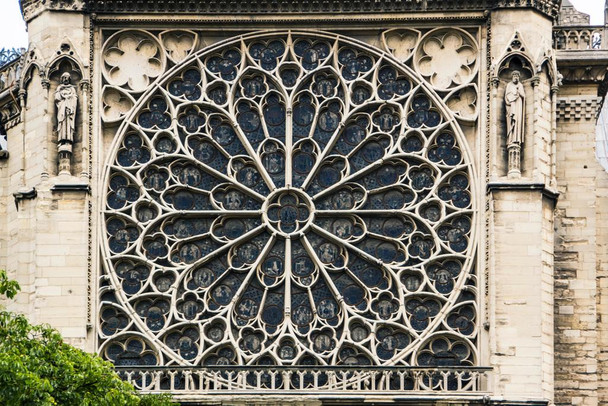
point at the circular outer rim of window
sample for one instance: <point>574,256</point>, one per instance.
<point>289,198</point>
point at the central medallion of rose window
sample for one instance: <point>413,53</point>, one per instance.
<point>288,211</point>
<point>288,199</point>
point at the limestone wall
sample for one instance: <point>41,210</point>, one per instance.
<point>580,259</point>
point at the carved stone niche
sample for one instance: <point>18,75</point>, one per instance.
<point>66,99</point>
<point>512,147</point>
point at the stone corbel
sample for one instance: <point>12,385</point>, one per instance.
<point>24,194</point>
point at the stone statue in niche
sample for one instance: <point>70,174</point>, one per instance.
<point>515,102</point>
<point>66,100</point>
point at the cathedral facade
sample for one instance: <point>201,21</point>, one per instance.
<point>330,202</point>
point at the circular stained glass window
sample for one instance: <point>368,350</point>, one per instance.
<point>289,199</point>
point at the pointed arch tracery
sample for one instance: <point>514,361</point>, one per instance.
<point>286,198</point>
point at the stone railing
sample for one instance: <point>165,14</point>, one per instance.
<point>326,381</point>
<point>579,38</point>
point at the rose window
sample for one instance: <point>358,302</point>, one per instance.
<point>287,199</point>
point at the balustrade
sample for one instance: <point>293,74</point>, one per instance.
<point>579,38</point>
<point>318,379</point>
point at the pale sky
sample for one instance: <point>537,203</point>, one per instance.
<point>12,27</point>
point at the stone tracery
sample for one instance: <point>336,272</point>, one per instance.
<point>288,198</point>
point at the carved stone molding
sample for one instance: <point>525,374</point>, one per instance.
<point>578,74</point>
<point>514,186</point>
<point>31,8</point>
<point>549,7</point>
<point>577,108</point>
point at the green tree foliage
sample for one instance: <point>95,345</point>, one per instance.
<point>38,368</point>
<point>8,288</point>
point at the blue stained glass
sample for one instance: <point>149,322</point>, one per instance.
<point>411,282</point>
<point>329,121</point>
<point>412,143</point>
<point>267,54</point>
<point>372,152</point>
<point>218,94</point>
<point>254,87</point>
<point>224,134</point>
<point>302,315</point>
<point>303,162</point>
<point>183,200</point>
<point>311,52</point>
<point>203,277</point>
<point>392,200</point>
<point>304,113</point>
<point>327,309</point>
<point>234,228</point>
<point>325,86</point>
<point>385,309</point>
<point>328,253</point>
<point>192,121</point>
<point>371,276</point>
<point>432,212</point>
<point>353,63</point>
<point>422,113</point>
<point>188,86</point>
<point>354,134</point>
<point>272,315</point>
<point>328,176</point>
<point>289,77</point>
<point>146,213</point>
<point>274,113</point>
<point>216,332</point>
<point>288,214</point>
<point>156,116</point>
<point>248,253</point>
<point>225,64</point>
<point>189,253</point>
<point>249,121</point>
<point>248,176</point>
<point>323,342</point>
<point>387,252</point>
<point>302,266</point>
<point>165,145</point>
<point>393,228</point>
<point>222,294</point>
<point>273,266</point>
<point>353,295</point>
